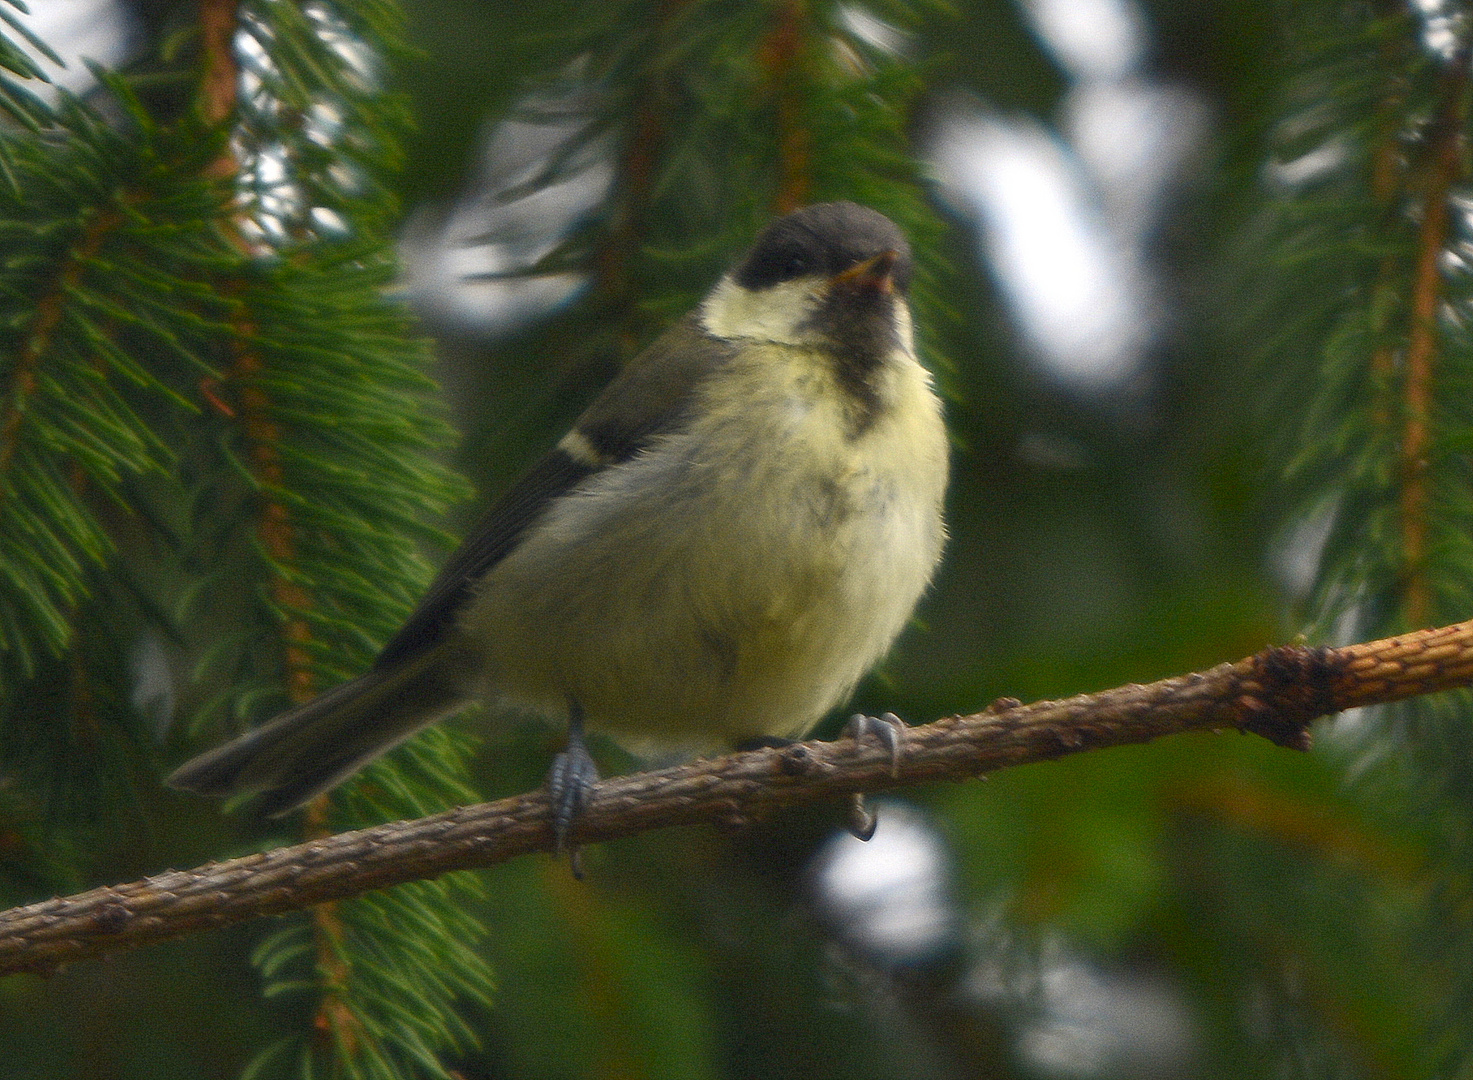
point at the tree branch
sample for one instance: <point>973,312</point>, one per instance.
<point>1275,693</point>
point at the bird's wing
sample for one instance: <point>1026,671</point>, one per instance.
<point>647,398</point>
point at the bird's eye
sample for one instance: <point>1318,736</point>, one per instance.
<point>796,265</point>
<point>778,260</point>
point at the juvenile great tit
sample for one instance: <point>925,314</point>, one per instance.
<point>729,537</point>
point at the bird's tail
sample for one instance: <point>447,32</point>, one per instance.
<point>307,750</point>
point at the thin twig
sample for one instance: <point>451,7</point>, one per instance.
<point>1276,693</point>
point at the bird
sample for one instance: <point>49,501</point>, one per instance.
<point>729,537</point>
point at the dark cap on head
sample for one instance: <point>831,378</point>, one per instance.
<point>823,240</point>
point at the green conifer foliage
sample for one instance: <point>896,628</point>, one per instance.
<point>219,439</point>
<point>1365,286</point>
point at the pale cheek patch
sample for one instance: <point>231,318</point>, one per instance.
<point>779,314</point>
<point>904,330</point>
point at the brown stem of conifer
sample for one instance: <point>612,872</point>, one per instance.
<point>1444,168</point>
<point>218,20</point>
<point>219,23</point>
<point>782,58</point>
<point>638,168</point>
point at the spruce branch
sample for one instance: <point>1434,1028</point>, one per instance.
<point>321,394</point>
<point>1276,693</point>
<point>50,309</point>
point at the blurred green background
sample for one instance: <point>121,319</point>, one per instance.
<point>1085,177</point>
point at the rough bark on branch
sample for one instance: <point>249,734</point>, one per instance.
<point>1275,693</point>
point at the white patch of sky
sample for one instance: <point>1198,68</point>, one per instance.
<point>1099,1023</point>
<point>1065,212</point>
<point>1076,1017</point>
<point>99,30</point>
<point>1091,39</point>
<point>1074,291</point>
<point>889,896</point>
<point>1134,138</point>
<point>539,176</point>
<point>873,30</point>
<point>1444,26</point>
<point>272,187</point>
<point>1295,558</point>
<point>1292,174</point>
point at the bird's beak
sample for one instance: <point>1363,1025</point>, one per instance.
<point>875,274</point>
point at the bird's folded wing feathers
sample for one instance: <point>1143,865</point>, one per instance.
<point>646,399</point>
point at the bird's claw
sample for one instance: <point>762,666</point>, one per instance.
<point>862,820</point>
<point>889,729</point>
<point>569,783</point>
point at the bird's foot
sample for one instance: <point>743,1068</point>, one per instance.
<point>889,729</point>
<point>569,783</point>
